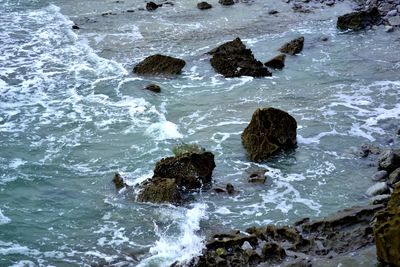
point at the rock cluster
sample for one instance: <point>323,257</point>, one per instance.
<point>359,20</point>
<point>270,131</point>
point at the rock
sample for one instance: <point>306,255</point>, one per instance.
<point>159,190</point>
<point>394,21</point>
<point>203,5</point>
<point>358,20</point>
<point>270,131</point>
<point>389,160</point>
<point>392,13</point>
<point>154,88</point>
<point>277,62</point>
<point>75,27</point>
<point>226,2</point>
<point>159,65</point>
<point>151,6</point>
<point>230,189</point>
<point>246,245</point>
<point>367,150</point>
<point>257,177</point>
<point>273,252</point>
<point>324,39</point>
<point>233,59</point>
<point>272,12</point>
<point>293,47</point>
<point>118,181</point>
<point>219,190</point>
<point>190,170</point>
<point>380,175</point>
<point>380,199</point>
<point>378,189</point>
<point>389,28</point>
<point>394,177</point>
<point>387,231</point>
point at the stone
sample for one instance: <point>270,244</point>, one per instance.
<point>394,21</point>
<point>230,189</point>
<point>358,20</point>
<point>154,88</point>
<point>226,2</point>
<point>273,252</point>
<point>293,47</point>
<point>380,175</point>
<point>277,62</point>
<point>387,231</point>
<point>394,177</point>
<point>246,245</point>
<point>159,65</point>
<point>75,27</point>
<point>151,6</point>
<point>392,13</point>
<point>233,59</point>
<point>257,177</point>
<point>389,28</point>
<point>324,39</point>
<point>159,190</point>
<point>389,160</point>
<point>380,199</point>
<point>190,170</point>
<point>378,189</point>
<point>270,131</point>
<point>204,6</point>
<point>118,181</point>
<point>273,12</point>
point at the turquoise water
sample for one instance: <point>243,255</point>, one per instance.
<point>72,114</point>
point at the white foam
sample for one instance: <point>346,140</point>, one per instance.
<point>4,219</point>
<point>164,130</point>
<point>223,210</point>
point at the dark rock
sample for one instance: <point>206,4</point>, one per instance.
<point>154,88</point>
<point>380,175</point>
<point>130,11</point>
<point>159,65</point>
<point>233,59</point>
<point>226,2</point>
<point>324,38</point>
<point>394,177</point>
<point>230,189</point>
<point>380,199</point>
<point>389,160</point>
<point>277,62</point>
<point>190,170</point>
<point>387,231</point>
<point>272,12</point>
<point>257,177</point>
<point>203,5</point>
<point>159,190</point>
<point>151,6</point>
<point>219,190</point>
<point>367,150</point>
<point>293,47</point>
<point>118,181</point>
<point>358,20</point>
<point>273,252</point>
<point>270,131</point>
<point>75,27</point>
<point>108,14</point>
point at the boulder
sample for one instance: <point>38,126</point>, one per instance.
<point>257,177</point>
<point>270,131</point>
<point>394,177</point>
<point>293,47</point>
<point>154,88</point>
<point>358,20</point>
<point>277,62</point>
<point>389,160</point>
<point>378,189</point>
<point>203,5</point>
<point>151,6</point>
<point>226,2</point>
<point>387,231</point>
<point>159,190</point>
<point>190,170</point>
<point>233,59</point>
<point>380,175</point>
<point>159,65</point>
<point>118,181</point>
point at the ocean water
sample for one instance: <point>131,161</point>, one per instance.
<point>72,114</point>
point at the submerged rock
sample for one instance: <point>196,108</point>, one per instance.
<point>358,20</point>
<point>159,65</point>
<point>257,177</point>
<point>277,62</point>
<point>270,131</point>
<point>204,6</point>
<point>159,190</point>
<point>151,6</point>
<point>118,181</point>
<point>293,47</point>
<point>387,231</point>
<point>154,88</point>
<point>233,59</point>
<point>226,2</point>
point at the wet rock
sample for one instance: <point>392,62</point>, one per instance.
<point>273,252</point>
<point>118,181</point>
<point>75,27</point>
<point>277,62</point>
<point>226,2</point>
<point>380,199</point>
<point>270,131</point>
<point>230,189</point>
<point>273,12</point>
<point>389,160</point>
<point>233,59</point>
<point>324,39</point>
<point>293,47</point>
<point>380,175</point>
<point>203,5</point>
<point>387,231</point>
<point>257,177</point>
<point>159,65</point>
<point>378,189</point>
<point>367,150</point>
<point>358,20</point>
<point>151,6</point>
<point>159,190</point>
<point>154,88</point>
<point>190,170</point>
<point>394,177</point>
<point>394,21</point>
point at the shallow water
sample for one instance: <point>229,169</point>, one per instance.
<point>72,114</point>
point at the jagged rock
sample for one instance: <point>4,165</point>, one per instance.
<point>230,189</point>
<point>233,59</point>
<point>277,62</point>
<point>358,20</point>
<point>257,177</point>
<point>203,5</point>
<point>387,231</point>
<point>394,177</point>
<point>190,170</point>
<point>151,6</point>
<point>273,252</point>
<point>378,189</point>
<point>118,181</point>
<point>159,65</point>
<point>154,88</point>
<point>226,2</point>
<point>270,131</point>
<point>367,150</point>
<point>389,160</point>
<point>293,47</point>
<point>159,190</point>
<point>380,175</point>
